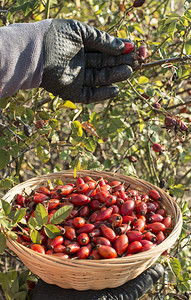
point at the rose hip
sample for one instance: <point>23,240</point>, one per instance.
<point>108,232</point>
<point>83,252</point>
<point>121,243</point>
<point>156,227</point>
<point>57,241</point>
<point>101,240</point>
<point>86,228</point>
<point>78,222</point>
<point>134,235</point>
<point>107,252</point>
<point>83,239</point>
<point>156,218</point>
<point>38,248</point>
<point>154,195</point>
<point>134,247</point>
<point>127,207</point>
<point>104,215</point>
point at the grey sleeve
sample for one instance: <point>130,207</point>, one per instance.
<point>21,56</point>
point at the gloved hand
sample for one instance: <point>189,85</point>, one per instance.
<point>66,57</point>
<point>131,290</point>
<point>82,63</point>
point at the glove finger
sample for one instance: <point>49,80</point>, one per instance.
<point>89,94</point>
<point>98,40</point>
<point>101,60</point>
<point>106,76</point>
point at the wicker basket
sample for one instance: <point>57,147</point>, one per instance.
<point>83,274</point>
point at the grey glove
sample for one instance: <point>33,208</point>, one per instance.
<point>66,57</point>
<point>82,62</point>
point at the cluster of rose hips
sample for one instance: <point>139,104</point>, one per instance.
<point>107,219</point>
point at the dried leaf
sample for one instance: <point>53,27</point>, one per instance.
<point>90,128</point>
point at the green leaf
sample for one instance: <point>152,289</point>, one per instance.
<point>2,242</point>
<point>32,223</point>
<point>175,266</point>
<point>4,102</point>
<point>42,150</point>
<point>30,114</point>
<point>44,115</point>
<point>19,214</point>
<point>173,15</point>
<point>4,158</point>
<point>12,274</point>
<point>61,214</point>
<point>150,91</point>
<point>4,280</point>
<point>184,207</point>
<point>143,80</point>
<point>19,110</point>
<point>107,164</point>
<point>20,295</point>
<point>35,236</point>
<point>54,124</point>
<point>15,286</point>
<point>171,181</point>
<point>188,47</point>
<point>115,126</point>
<point>51,230</point>
<point>171,30</point>
<point>41,214</point>
<point>23,277</point>
<point>6,183</point>
<point>90,144</point>
<point>129,132</point>
<point>77,128</point>
<point>13,235</point>
<point>5,206</point>
<point>4,222</point>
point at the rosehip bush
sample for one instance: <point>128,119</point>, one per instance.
<point>40,133</point>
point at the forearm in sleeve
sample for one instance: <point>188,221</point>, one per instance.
<point>21,56</point>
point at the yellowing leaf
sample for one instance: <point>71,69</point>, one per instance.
<point>77,128</point>
<point>68,104</point>
<point>122,34</point>
<point>143,80</point>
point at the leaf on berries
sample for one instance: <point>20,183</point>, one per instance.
<point>32,223</point>
<point>41,214</point>
<point>61,214</point>
<point>35,236</point>
<point>51,230</point>
<point>19,214</point>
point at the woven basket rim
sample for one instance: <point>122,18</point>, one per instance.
<point>80,262</point>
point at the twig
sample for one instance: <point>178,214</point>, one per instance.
<point>124,155</point>
<point>143,98</point>
<point>163,61</point>
<point>17,136</point>
<point>47,9</point>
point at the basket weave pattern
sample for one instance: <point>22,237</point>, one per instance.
<point>81,274</point>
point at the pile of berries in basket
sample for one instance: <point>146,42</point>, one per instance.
<point>91,219</point>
